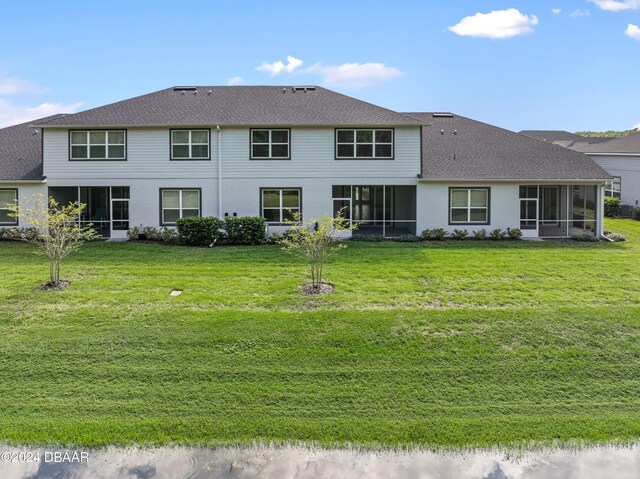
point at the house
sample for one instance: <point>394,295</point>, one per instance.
<point>620,157</point>
<point>275,150</point>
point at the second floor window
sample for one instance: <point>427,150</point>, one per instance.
<point>97,145</point>
<point>189,144</point>
<point>270,144</point>
<point>364,143</point>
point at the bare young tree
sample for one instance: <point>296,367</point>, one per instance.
<point>316,240</point>
<point>54,229</point>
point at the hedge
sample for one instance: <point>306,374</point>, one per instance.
<point>245,230</point>
<point>200,231</point>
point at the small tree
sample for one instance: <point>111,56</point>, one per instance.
<point>54,229</point>
<point>316,240</point>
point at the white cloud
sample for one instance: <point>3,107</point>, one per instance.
<point>13,114</point>
<point>636,127</point>
<point>236,81</point>
<point>556,11</point>
<point>278,67</point>
<point>18,86</point>
<point>580,12</point>
<point>354,75</point>
<point>498,24</point>
<point>617,5</point>
<point>633,31</point>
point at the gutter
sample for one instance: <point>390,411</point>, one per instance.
<point>513,180</point>
<point>36,182</point>
<point>219,171</point>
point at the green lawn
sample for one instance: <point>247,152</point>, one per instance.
<point>440,344</point>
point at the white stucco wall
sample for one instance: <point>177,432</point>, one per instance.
<point>26,191</point>
<point>433,206</point>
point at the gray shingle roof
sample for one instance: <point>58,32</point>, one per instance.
<point>627,144</point>
<point>236,105</point>
<point>21,151</point>
<point>456,147</point>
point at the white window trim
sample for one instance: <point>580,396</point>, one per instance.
<point>281,209</point>
<point>373,143</point>
<point>191,144</point>
<point>14,221</point>
<point>469,207</point>
<point>270,144</point>
<point>106,145</point>
<point>180,206</point>
<point>610,187</point>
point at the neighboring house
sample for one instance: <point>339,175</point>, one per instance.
<point>272,151</point>
<point>620,157</point>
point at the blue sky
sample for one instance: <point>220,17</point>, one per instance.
<point>571,65</point>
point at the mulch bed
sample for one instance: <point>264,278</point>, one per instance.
<point>62,284</point>
<point>325,288</point>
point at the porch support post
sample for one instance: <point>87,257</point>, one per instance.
<point>567,222</point>
<point>600,212</point>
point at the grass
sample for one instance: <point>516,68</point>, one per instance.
<point>455,344</point>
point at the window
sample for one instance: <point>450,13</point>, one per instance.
<point>8,198</point>
<point>280,205</point>
<point>190,145</point>
<point>613,188</point>
<point>270,144</point>
<point>364,143</point>
<point>175,203</point>
<point>469,205</point>
<point>97,145</point>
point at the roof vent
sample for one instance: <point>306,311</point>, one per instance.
<point>184,88</point>
<point>443,115</point>
<point>303,88</point>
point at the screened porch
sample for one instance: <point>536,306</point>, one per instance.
<point>559,211</point>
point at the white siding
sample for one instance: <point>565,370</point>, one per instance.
<point>628,169</point>
<point>148,156</point>
<point>433,206</point>
<point>312,156</point>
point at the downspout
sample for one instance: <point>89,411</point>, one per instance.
<point>219,171</point>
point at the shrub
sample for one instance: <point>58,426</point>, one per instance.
<point>407,239</point>
<point>460,234</point>
<point>367,238</point>
<point>586,237</point>
<point>480,234</point>
<point>611,206</point>
<point>17,234</point>
<point>615,237</point>
<point>151,233</point>
<point>635,214</point>
<point>497,234</point>
<point>245,230</point>
<point>437,234</point>
<point>199,231</point>
<point>514,233</point>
